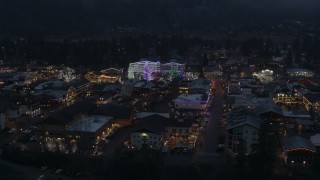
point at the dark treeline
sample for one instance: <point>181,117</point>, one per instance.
<point>303,50</point>
<point>94,17</point>
<point>114,52</point>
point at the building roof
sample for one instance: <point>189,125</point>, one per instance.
<point>293,70</point>
<point>144,130</point>
<point>305,122</point>
<point>68,114</point>
<point>315,139</point>
<point>89,123</point>
<point>268,107</point>
<point>312,97</point>
<point>114,110</point>
<point>5,104</point>
<point>241,116</point>
<point>297,142</point>
<point>299,113</point>
<point>146,114</point>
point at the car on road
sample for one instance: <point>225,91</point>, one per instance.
<point>43,168</point>
<point>58,171</point>
<point>41,177</point>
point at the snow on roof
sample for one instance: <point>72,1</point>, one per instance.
<point>190,97</point>
<point>90,123</point>
<point>315,139</point>
<point>297,142</point>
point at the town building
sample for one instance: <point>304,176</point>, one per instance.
<point>191,101</point>
<point>299,72</point>
<point>311,101</point>
<point>243,126</point>
<point>146,70</point>
<point>145,139</point>
<point>298,151</point>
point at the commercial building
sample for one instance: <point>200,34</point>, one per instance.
<point>109,75</point>
<point>145,139</point>
<point>191,101</point>
<point>298,151</point>
<point>299,72</point>
<point>149,70</point>
<point>146,70</point>
<point>243,130</point>
<point>64,129</point>
<point>311,101</point>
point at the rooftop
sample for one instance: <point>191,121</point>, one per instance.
<point>297,142</point>
<point>191,97</point>
<point>89,123</point>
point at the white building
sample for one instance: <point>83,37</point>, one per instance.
<point>167,68</point>
<point>148,70</point>
<point>294,72</point>
<point>145,138</point>
<point>192,101</point>
<point>143,70</point>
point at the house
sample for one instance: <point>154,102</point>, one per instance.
<point>304,125</point>
<point>71,125</point>
<point>315,139</point>
<point>298,151</point>
<point>192,101</point>
<point>2,120</point>
<point>243,127</point>
<point>311,101</point>
<point>180,134</point>
<point>294,72</point>
<point>269,111</point>
<point>127,87</point>
<point>30,105</point>
<point>145,139</point>
<point>209,72</point>
<point>123,115</point>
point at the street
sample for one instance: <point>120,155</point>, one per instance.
<point>212,132</point>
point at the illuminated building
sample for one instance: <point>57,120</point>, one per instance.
<point>192,101</point>
<point>148,70</point>
<point>298,151</point>
<point>243,130</point>
<point>109,75</point>
<point>143,70</point>
<point>145,139</point>
<point>294,72</point>
<point>264,76</point>
<point>311,101</point>
<point>73,128</point>
<point>209,72</point>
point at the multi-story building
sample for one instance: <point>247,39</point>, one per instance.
<point>143,70</point>
<point>191,101</point>
<point>145,139</point>
<point>243,129</point>
<point>172,67</point>
<point>298,151</point>
<point>73,128</point>
<point>149,70</point>
<point>311,101</point>
<point>299,72</point>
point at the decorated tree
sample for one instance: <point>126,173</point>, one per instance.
<point>147,71</point>
<point>67,74</point>
<point>130,73</point>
